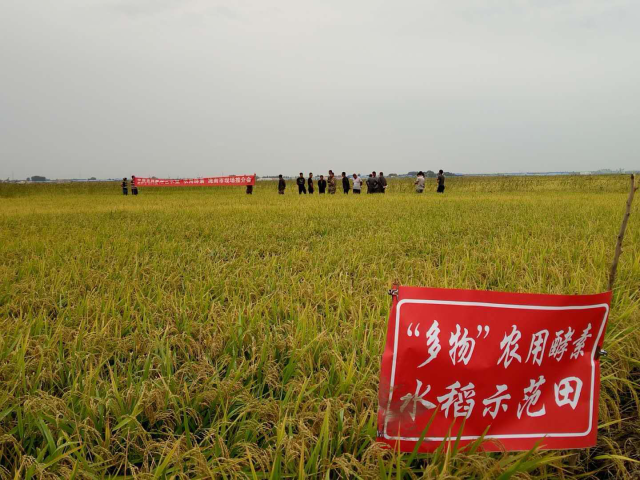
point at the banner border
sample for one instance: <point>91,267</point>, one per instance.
<point>508,306</point>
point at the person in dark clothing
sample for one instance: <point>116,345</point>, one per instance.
<point>440,181</point>
<point>372,183</point>
<point>382,183</point>
<point>310,183</point>
<point>346,186</point>
<point>281,185</point>
<point>301,184</point>
<point>250,187</point>
<point>376,184</point>
<point>322,185</point>
<point>134,187</point>
<point>124,187</point>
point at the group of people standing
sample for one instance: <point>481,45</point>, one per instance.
<point>134,188</point>
<point>376,183</point>
<point>420,182</point>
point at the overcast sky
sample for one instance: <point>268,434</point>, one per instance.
<point>110,88</point>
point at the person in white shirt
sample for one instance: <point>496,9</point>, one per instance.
<point>357,184</point>
<point>419,183</point>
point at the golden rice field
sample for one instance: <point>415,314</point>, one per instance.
<point>201,332</point>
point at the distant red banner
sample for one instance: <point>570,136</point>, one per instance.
<point>522,367</point>
<point>233,180</point>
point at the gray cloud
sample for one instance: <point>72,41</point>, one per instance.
<point>202,87</point>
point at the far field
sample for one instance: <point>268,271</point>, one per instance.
<point>201,332</point>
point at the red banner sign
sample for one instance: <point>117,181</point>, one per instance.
<point>522,367</point>
<point>233,180</point>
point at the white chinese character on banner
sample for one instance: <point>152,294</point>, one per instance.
<point>560,344</point>
<point>461,346</point>
<point>215,180</point>
<point>496,401</point>
<point>538,344</point>
<point>568,391</point>
<point>509,347</point>
<point>531,396</point>
<point>415,398</point>
<point>201,181</point>
<point>226,180</point>
<point>210,180</point>
<point>460,398</point>
<point>433,342</point>
<point>578,345</point>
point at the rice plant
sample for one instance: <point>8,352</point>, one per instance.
<point>202,332</point>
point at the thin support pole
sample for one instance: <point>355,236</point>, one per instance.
<point>623,228</point>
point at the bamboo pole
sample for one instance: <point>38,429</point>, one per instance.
<point>623,228</point>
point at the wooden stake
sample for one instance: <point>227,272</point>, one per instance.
<point>623,228</point>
